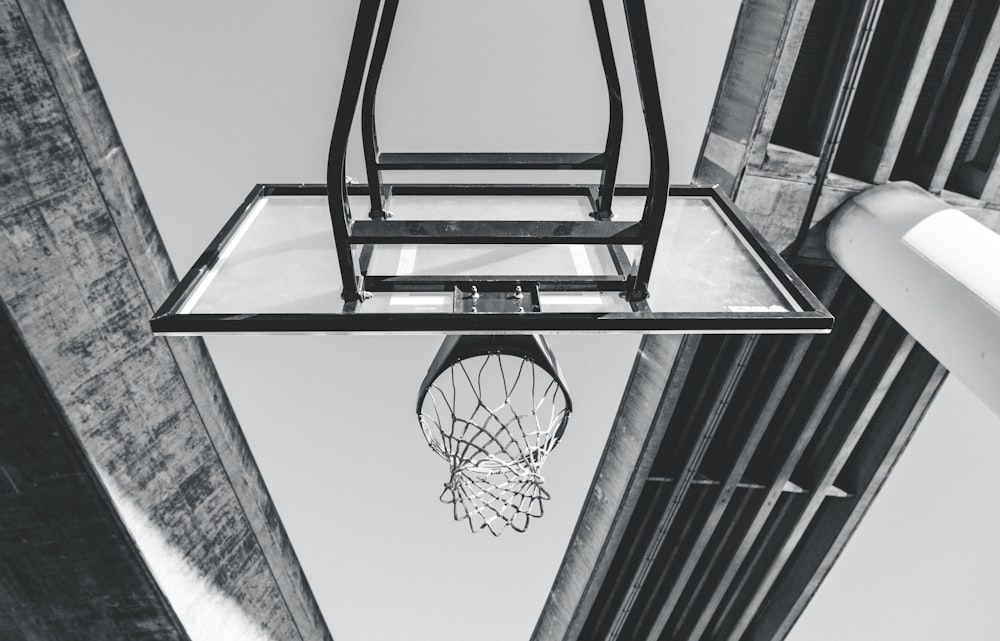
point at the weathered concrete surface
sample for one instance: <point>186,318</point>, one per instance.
<point>774,203</point>
<point>966,108</point>
<point>796,22</point>
<point>647,405</point>
<point>772,183</point>
<point>81,269</point>
<point>908,100</point>
<point>68,568</point>
<point>761,30</point>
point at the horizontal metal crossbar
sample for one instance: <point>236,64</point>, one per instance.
<point>483,189</point>
<point>495,232</point>
<point>166,323</point>
<point>444,283</point>
<point>489,160</point>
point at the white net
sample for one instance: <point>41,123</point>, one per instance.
<point>494,418</point>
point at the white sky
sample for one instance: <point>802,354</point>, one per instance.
<point>211,98</point>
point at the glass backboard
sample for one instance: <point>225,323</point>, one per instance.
<point>274,267</point>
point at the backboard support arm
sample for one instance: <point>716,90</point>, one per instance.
<point>616,117</point>
<point>362,76</point>
<point>336,167</point>
<point>369,137</point>
<point>659,160</point>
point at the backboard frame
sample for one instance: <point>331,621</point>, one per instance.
<point>813,317</point>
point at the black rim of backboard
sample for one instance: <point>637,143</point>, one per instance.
<point>814,318</point>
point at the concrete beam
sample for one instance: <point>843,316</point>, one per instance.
<point>81,270</point>
<point>68,568</point>
<point>990,192</point>
<point>727,488</point>
<point>797,21</point>
<point>826,472</point>
<point>914,83</point>
<point>723,602</point>
<point>647,406</point>
<point>760,35</point>
<point>967,107</point>
<point>730,370</point>
<point>876,455</point>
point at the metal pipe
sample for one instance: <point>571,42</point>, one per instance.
<point>369,135</point>
<point>616,117</point>
<point>934,269</point>
<point>336,165</point>
<point>659,157</point>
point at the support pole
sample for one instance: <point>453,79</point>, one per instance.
<point>336,171</point>
<point>659,159</point>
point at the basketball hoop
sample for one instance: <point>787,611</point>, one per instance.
<point>494,407</point>
<point>478,259</point>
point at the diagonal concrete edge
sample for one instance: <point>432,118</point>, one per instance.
<point>647,404</point>
<point>82,267</point>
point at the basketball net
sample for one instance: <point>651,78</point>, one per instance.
<point>494,418</point>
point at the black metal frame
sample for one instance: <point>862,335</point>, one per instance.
<point>372,33</point>
<point>814,318</point>
<point>531,347</point>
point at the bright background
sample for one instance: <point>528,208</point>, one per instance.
<point>211,98</point>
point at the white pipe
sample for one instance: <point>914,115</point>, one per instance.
<point>934,269</point>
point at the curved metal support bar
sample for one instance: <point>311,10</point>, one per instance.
<point>336,175</point>
<point>369,136</point>
<point>612,149</point>
<point>532,347</point>
<point>656,131</point>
